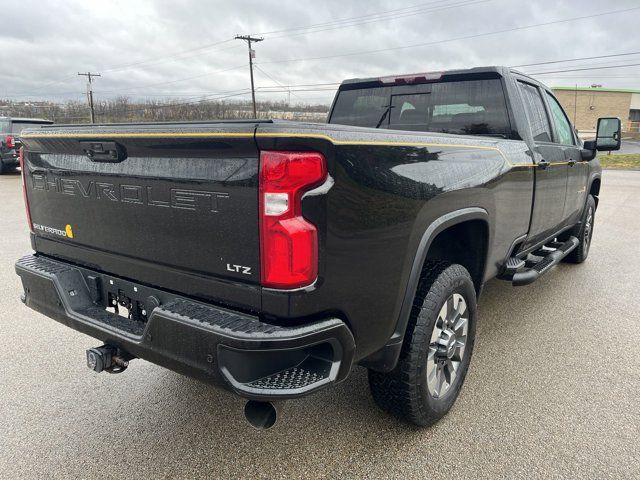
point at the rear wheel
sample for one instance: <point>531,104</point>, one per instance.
<point>3,168</point>
<point>584,233</point>
<point>436,351</point>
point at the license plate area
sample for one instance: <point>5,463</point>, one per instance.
<point>126,305</point>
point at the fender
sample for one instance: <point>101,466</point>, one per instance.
<point>386,358</point>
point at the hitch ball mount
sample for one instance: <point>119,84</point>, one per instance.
<point>108,358</point>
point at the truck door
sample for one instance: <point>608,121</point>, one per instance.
<point>550,171</point>
<point>577,170</point>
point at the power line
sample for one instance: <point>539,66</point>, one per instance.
<point>583,69</point>
<point>164,57</point>
<point>391,17</point>
<point>635,77</point>
<point>277,82</point>
<point>340,23</point>
<point>575,59</point>
<point>465,37</point>
<point>587,64</point>
<point>181,79</point>
<point>202,100</point>
<point>179,55</point>
<point>349,19</point>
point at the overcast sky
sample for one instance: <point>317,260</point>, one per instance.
<point>170,49</point>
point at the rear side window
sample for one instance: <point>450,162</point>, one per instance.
<point>471,107</point>
<point>535,112</point>
<point>563,127</point>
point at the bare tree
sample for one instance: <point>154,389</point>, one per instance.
<point>124,109</point>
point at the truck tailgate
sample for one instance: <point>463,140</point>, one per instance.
<point>180,196</point>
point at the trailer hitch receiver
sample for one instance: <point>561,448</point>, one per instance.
<point>108,358</point>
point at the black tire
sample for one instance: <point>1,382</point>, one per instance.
<point>404,391</point>
<point>584,233</point>
<point>3,168</point>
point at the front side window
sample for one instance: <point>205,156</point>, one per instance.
<point>563,127</point>
<point>535,112</point>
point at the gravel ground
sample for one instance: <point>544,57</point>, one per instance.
<point>553,389</point>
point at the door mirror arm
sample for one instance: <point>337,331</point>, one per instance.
<point>588,152</point>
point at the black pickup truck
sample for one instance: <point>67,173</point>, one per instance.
<point>10,129</point>
<point>272,257</point>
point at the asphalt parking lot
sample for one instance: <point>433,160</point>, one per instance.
<point>553,390</point>
<point>630,146</point>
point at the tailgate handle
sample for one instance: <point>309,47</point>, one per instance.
<point>104,151</point>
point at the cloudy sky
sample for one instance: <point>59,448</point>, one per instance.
<point>184,49</point>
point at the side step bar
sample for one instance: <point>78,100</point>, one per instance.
<point>523,272</point>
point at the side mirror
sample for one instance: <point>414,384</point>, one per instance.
<point>609,135</point>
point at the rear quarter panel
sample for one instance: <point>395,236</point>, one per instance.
<point>385,189</point>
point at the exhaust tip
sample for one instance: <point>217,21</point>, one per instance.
<point>261,415</point>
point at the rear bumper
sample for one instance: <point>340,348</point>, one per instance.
<point>220,346</point>
<point>10,158</point>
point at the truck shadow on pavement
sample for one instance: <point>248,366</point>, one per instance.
<point>14,172</point>
<point>341,425</point>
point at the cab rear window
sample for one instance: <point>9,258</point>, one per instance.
<point>471,107</point>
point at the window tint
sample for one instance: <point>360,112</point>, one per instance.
<point>409,112</point>
<point>475,107</point>
<point>472,107</point>
<point>362,108</point>
<point>563,127</point>
<point>536,113</point>
<point>455,108</point>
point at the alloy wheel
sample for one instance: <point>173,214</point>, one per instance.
<point>447,345</point>
<point>588,230</point>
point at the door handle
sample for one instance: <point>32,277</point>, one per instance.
<point>572,162</point>
<point>110,152</point>
<point>543,164</point>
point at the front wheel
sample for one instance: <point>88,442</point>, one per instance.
<point>436,351</point>
<point>584,233</point>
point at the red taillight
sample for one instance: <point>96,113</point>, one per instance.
<point>411,78</point>
<point>24,188</point>
<point>288,242</point>
<point>9,142</point>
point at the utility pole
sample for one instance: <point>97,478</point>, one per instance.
<point>249,39</point>
<point>89,75</point>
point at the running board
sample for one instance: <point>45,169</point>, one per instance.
<point>523,272</point>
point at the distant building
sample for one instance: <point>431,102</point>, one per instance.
<point>585,105</point>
